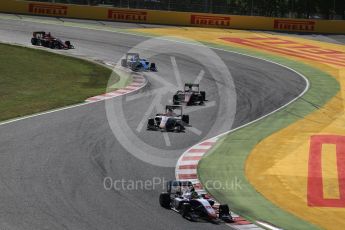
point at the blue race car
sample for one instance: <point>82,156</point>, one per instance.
<point>135,63</point>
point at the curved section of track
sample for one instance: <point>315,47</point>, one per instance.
<point>52,166</point>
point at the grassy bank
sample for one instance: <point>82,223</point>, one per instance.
<point>33,81</point>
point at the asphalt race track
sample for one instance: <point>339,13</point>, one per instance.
<point>52,166</point>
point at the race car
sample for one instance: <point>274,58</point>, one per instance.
<point>135,63</point>
<point>44,39</point>
<point>191,95</point>
<point>182,198</point>
<point>172,120</point>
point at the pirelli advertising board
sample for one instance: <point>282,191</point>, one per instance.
<point>210,20</point>
<point>48,9</point>
<point>127,15</point>
<point>294,25</point>
<point>171,18</point>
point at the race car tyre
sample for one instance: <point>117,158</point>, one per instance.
<point>44,43</point>
<point>203,94</point>
<point>137,67</point>
<point>34,41</point>
<point>185,119</point>
<point>123,62</point>
<point>69,45</point>
<point>52,45</point>
<point>178,128</point>
<point>186,212</point>
<point>224,208</point>
<point>164,200</point>
<point>224,213</point>
<point>150,124</point>
<point>153,67</point>
<point>134,68</point>
<point>175,100</point>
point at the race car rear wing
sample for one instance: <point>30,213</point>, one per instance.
<point>176,185</point>
<point>174,107</point>
<point>191,87</point>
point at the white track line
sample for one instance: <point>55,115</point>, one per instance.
<point>194,130</point>
<point>166,139</point>
<point>176,72</point>
<point>268,226</point>
<point>148,113</point>
<point>199,77</point>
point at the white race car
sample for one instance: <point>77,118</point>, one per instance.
<point>173,120</point>
<point>182,198</point>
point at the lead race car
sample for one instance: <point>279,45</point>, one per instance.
<point>44,39</point>
<point>172,120</point>
<point>190,95</point>
<point>182,198</point>
<point>135,63</point>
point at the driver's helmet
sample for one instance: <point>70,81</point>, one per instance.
<point>188,89</point>
<point>170,112</point>
<point>194,195</point>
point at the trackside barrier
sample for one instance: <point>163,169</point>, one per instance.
<point>172,18</point>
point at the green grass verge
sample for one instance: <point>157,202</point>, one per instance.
<point>125,80</point>
<point>33,81</point>
<point>226,161</point>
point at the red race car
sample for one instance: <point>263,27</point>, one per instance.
<point>44,39</point>
<point>190,95</point>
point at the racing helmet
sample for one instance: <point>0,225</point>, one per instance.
<point>194,195</point>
